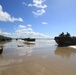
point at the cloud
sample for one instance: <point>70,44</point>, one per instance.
<point>24,3</point>
<point>29,25</point>
<point>5,33</point>
<point>42,35</point>
<point>39,4</point>
<point>38,1</point>
<point>23,31</point>
<point>22,26</point>
<point>38,12</point>
<point>44,22</point>
<point>30,29</point>
<point>4,16</point>
<point>1,32</point>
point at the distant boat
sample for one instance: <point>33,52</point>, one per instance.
<point>65,40</point>
<point>29,39</point>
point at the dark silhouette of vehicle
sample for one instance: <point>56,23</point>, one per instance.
<point>29,39</point>
<point>65,39</point>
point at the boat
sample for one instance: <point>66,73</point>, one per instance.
<point>29,39</point>
<point>65,39</point>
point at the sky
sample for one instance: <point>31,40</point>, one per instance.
<point>37,18</point>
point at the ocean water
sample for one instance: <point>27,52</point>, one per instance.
<point>40,58</point>
<point>11,49</point>
<point>21,48</point>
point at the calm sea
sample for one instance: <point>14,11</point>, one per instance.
<point>40,58</point>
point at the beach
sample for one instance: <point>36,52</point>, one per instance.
<point>40,58</point>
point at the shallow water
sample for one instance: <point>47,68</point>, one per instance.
<point>41,58</point>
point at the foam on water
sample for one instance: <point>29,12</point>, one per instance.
<point>73,46</point>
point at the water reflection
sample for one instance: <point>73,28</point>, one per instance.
<point>9,62</point>
<point>65,52</point>
<point>2,48</point>
<point>30,44</point>
<point>17,48</point>
<point>1,56</point>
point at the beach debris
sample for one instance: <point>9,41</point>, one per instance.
<point>20,45</point>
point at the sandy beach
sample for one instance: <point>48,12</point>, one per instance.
<point>41,58</point>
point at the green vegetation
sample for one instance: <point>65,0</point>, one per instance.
<point>4,38</point>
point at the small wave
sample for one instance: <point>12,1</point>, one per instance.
<point>73,47</point>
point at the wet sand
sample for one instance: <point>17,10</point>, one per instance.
<point>40,58</point>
